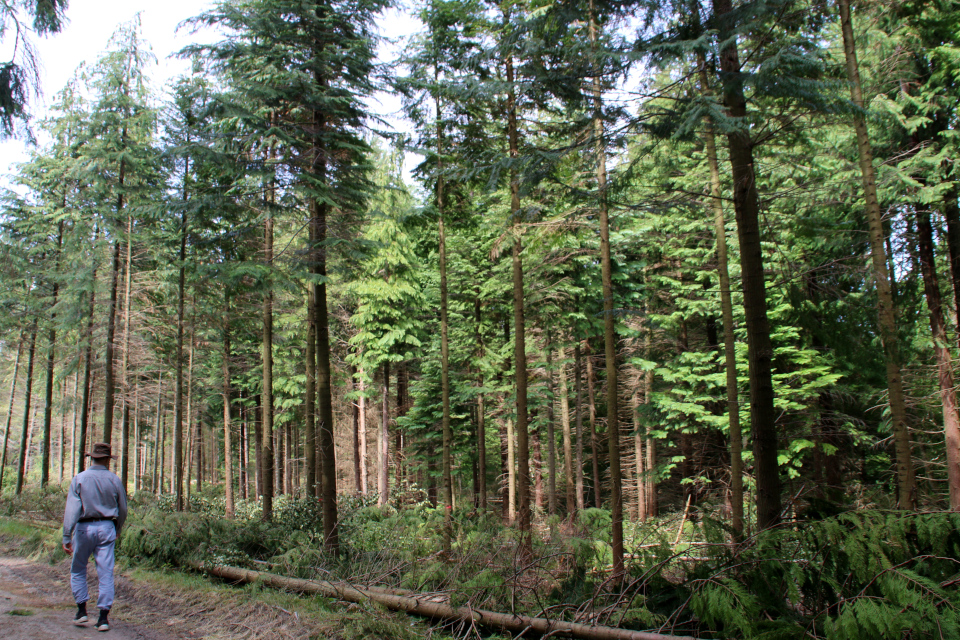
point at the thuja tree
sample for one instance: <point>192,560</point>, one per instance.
<point>119,167</point>
<point>388,295</point>
<point>303,70</point>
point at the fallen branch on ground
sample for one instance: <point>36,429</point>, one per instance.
<point>424,607</point>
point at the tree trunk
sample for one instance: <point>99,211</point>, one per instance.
<point>411,602</point>
<point>73,430</point>
<point>51,359</point>
<point>87,368</point>
<point>641,484</point>
<point>328,463</point>
<point>551,436</point>
<point>519,328</point>
<point>137,458</point>
<point>537,470</point>
<point>594,444</point>
<point>327,451</point>
<point>6,431</point>
<point>355,407</point>
<point>578,390</point>
<point>609,333</point>
<point>266,355</point>
<point>189,415</point>
<point>650,489</point>
<point>726,306</point>
<point>156,437</point>
<point>948,398</point>
<point>178,390</point>
<point>511,474</point>
<point>481,418</point>
<point>906,479</point>
<point>109,384</point>
<point>124,368</point>
<point>444,349</point>
<point>309,404</point>
<point>364,475</point>
<point>28,389</point>
<point>383,442</point>
<point>951,214</point>
<point>567,438</point>
<point>227,418</point>
<point>760,349</point>
<point>162,447</point>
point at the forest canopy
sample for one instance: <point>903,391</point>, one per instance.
<point>655,260</point>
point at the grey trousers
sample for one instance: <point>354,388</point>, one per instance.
<point>97,539</point>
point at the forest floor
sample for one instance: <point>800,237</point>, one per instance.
<point>36,604</point>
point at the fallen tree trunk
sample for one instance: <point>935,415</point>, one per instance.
<point>424,607</point>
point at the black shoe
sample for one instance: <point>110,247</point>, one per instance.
<point>81,616</point>
<point>102,624</point>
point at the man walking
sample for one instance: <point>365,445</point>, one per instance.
<point>96,509</point>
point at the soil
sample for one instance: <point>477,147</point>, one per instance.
<point>36,604</point>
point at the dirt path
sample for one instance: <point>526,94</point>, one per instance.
<point>35,604</point>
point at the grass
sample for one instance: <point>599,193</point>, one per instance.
<point>223,611</point>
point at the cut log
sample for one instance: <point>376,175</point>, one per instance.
<point>424,607</point>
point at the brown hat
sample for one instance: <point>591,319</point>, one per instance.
<point>101,450</point>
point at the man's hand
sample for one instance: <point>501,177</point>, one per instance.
<point>68,548</point>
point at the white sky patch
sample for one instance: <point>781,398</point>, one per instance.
<point>91,23</point>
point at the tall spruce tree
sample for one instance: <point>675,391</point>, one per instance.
<point>302,71</point>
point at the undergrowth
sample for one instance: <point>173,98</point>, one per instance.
<point>857,575</point>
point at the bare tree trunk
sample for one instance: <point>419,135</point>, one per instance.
<point>51,359</point>
<point>578,390</point>
<point>156,437</point>
<point>567,438</point>
<point>28,389</point>
<point>726,306</point>
<point>309,405</point>
<point>906,479</point>
<point>537,466</point>
<point>227,418</point>
<point>355,407</point>
<point>266,435</point>
<point>519,325</point>
<point>948,398</point>
<point>364,476</point>
<point>73,431</point>
<point>162,446</point>
<point>13,388</point>
<point>258,446</point>
<point>760,350</point>
<point>194,446</point>
<point>63,429</point>
<point>87,368</point>
<point>609,333</point>
<point>447,433</point>
<point>638,457</point>
<point>594,444</point>
<point>109,384</point>
<point>124,369</point>
<point>383,442</point>
<point>178,389</point>
<point>511,474</point>
<point>137,458</point>
<point>327,451</point>
<point>481,425</point>
<point>551,436</point>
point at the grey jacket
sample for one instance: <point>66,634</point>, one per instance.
<point>94,493</point>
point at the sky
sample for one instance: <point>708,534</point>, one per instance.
<point>92,22</point>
